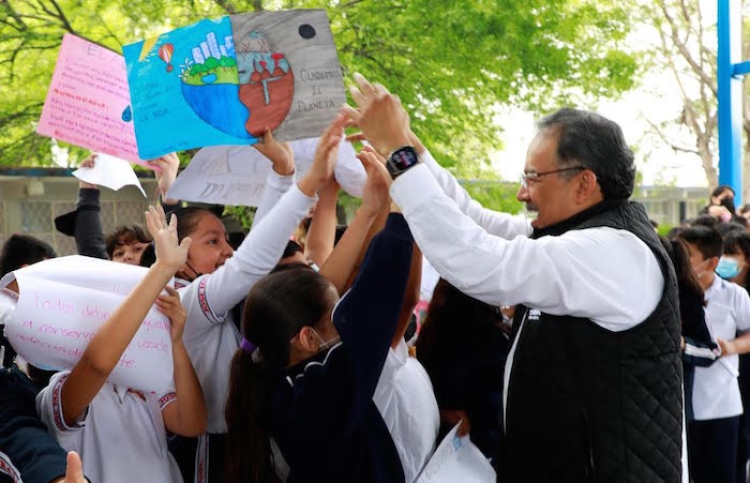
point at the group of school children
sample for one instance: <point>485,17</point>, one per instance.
<point>289,365</point>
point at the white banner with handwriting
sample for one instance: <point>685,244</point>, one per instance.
<point>64,301</point>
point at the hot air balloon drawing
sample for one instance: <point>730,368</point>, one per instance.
<point>165,54</point>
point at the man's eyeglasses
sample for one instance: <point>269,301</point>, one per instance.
<point>534,176</point>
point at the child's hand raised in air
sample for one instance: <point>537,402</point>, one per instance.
<point>171,306</point>
<point>169,252</point>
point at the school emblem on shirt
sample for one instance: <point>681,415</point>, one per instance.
<point>534,314</point>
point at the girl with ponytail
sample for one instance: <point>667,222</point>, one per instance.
<point>300,405</point>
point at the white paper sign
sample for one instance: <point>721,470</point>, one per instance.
<point>64,301</point>
<point>236,175</point>
<point>457,460</point>
<point>109,171</point>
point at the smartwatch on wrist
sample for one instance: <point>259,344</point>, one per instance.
<point>401,160</point>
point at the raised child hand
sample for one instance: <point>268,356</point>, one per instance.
<point>280,154</point>
<point>375,192</point>
<point>380,116</point>
<point>169,251</point>
<point>326,156</point>
<point>171,306</point>
<point>88,162</point>
<point>168,165</point>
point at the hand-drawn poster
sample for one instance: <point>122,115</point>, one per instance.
<point>88,103</point>
<point>236,175</point>
<point>64,301</point>
<point>225,81</point>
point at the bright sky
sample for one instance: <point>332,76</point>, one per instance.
<point>657,100</point>
<point>656,161</point>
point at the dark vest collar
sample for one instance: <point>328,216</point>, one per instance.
<point>580,217</point>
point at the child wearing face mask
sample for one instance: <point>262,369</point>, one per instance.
<point>215,279</point>
<point>717,406</point>
<point>735,258</point>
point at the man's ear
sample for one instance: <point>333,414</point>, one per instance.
<point>588,186</point>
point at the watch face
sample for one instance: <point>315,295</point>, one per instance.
<point>403,158</point>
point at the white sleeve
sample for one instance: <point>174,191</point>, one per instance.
<point>276,186</point>
<point>217,293</point>
<point>495,223</point>
<point>607,275</point>
<point>742,307</point>
<point>49,407</point>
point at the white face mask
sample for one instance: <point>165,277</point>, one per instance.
<point>700,270</point>
<point>325,344</point>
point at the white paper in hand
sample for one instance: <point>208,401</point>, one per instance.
<point>457,459</point>
<point>114,173</point>
<point>236,175</point>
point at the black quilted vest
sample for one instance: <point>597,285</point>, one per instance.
<point>589,405</point>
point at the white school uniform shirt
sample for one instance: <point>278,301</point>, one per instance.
<point>210,336</point>
<point>120,437</point>
<point>716,393</point>
<point>606,275</point>
<point>406,401</point>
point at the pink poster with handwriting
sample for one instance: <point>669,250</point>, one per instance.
<point>88,101</point>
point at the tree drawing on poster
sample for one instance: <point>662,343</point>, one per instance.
<point>225,81</point>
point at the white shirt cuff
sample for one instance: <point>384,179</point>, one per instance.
<point>414,187</point>
<point>280,182</point>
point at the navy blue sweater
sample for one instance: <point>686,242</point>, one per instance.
<point>27,451</point>
<point>323,417</point>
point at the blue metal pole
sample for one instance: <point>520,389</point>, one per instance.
<point>730,95</point>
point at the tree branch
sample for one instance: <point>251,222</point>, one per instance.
<point>684,51</point>
<point>664,137</point>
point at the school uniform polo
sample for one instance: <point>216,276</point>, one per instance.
<point>121,437</point>
<point>406,401</point>
<point>716,393</point>
<point>211,335</point>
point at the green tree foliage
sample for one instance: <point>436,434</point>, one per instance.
<point>450,62</point>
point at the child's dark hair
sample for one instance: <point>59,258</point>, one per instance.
<point>706,240</point>
<point>687,282</point>
<point>188,218</point>
<point>738,242</point>
<point>276,309</point>
<point>720,189</point>
<point>148,256</point>
<point>20,250</point>
<point>452,316</point>
<point>705,220</point>
<point>292,247</point>
<point>126,235</point>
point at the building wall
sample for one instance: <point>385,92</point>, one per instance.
<point>30,204</point>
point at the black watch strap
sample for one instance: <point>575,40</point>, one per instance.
<point>401,160</point>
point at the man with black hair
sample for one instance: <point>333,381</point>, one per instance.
<point>717,405</point>
<point>593,383</point>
